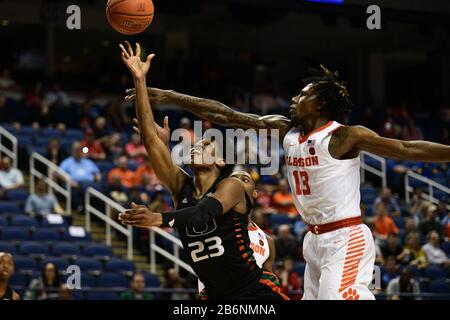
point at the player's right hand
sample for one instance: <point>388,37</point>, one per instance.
<point>162,132</point>
<point>138,68</point>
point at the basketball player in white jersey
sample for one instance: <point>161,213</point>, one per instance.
<point>263,246</point>
<point>322,158</point>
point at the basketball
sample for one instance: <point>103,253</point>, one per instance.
<point>129,16</point>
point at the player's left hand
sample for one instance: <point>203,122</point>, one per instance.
<point>162,132</point>
<point>140,216</point>
<point>138,68</point>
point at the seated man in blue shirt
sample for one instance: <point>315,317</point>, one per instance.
<point>42,202</point>
<point>83,172</point>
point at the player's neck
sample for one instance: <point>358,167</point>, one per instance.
<point>3,285</point>
<point>310,124</point>
<point>203,180</point>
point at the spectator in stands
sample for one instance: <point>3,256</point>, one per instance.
<point>415,255</point>
<point>290,280</point>
<point>446,226</point>
<point>416,204</point>
<point>411,131</point>
<point>6,81</point>
<point>392,248</point>
<point>384,225</point>
<point>283,200</point>
<point>135,150</point>
<point>83,173</point>
<point>45,286</point>
<point>6,272</point>
<point>264,199</point>
<point>91,147</point>
<point>126,176</point>
<point>65,293</point>
<point>114,147</point>
<point>42,202</point>
<point>392,271</point>
<point>55,153</point>
<point>430,222</point>
<point>137,197</point>
<point>286,244</point>
<point>146,178</point>
<point>433,252</point>
<point>174,281</point>
<point>117,191</point>
<point>404,284</point>
<point>158,204</point>
<point>390,203</point>
<point>442,210</point>
<point>410,227</point>
<point>100,130</point>
<point>187,134</point>
<point>10,178</point>
<point>137,286</point>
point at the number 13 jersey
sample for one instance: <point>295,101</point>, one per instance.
<point>324,189</point>
<point>220,251</point>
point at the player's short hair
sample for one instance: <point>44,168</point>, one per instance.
<point>331,92</point>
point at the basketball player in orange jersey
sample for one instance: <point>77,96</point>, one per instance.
<point>323,172</point>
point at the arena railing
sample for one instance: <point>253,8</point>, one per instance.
<point>110,222</point>
<point>378,172</point>
<point>52,172</point>
<point>175,257</point>
<point>12,153</point>
<point>431,185</point>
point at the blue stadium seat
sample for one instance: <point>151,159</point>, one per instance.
<point>33,248</point>
<point>6,246</point>
<point>9,207</point>
<point>25,140</point>
<point>416,272</point>
<point>300,268</point>
<point>23,263</point>
<point>28,131</point>
<point>278,219</point>
<point>446,247</point>
<point>16,234</point>
<point>88,264</point>
<point>440,286</point>
<point>42,142</point>
<point>46,234</point>
<point>119,265</point>
<point>59,262</point>
<point>50,132</point>
<point>74,134</point>
<point>101,295</point>
<point>61,249</point>
<point>399,222</point>
<point>87,280</point>
<point>104,166</point>
<point>17,280</point>
<point>3,221</point>
<point>38,149</point>
<point>18,195</point>
<point>96,249</point>
<point>434,272</point>
<point>151,281</point>
<point>23,221</point>
<point>110,279</point>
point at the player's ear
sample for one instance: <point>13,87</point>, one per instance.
<point>255,194</point>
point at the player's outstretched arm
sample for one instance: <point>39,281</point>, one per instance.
<point>166,170</point>
<point>215,111</point>
<point>358,138</point>
<point>268,264</point>
<point>229,195</point>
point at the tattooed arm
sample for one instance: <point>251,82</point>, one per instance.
<point>216,111</point>
<point>347,142</point>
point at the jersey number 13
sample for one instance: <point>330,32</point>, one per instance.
<point>301,179</point>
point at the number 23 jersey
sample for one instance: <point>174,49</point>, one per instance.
<point>324,189</point>
<point>219,252</point>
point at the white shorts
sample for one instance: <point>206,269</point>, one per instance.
<point>339,264</point>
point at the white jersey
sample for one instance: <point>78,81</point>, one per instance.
<point>324,189</point>
<point>258,243</point>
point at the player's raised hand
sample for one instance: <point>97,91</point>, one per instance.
<point>162,132</point>
<point>138,68</point>
<point>140,216</point>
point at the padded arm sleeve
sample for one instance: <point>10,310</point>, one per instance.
<point>196,216</point>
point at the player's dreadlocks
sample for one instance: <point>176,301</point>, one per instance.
<point>331,92</point>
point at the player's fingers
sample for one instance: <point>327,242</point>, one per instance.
<point>138,49</point>
<point>131,97</point>
<point>129,49</point>
<point>166,123</point>
<point>150,57</point>
<point>130,91</point>
<point>136,129</point>
<point>124,52</point>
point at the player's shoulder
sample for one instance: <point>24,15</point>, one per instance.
<point>231,182</point>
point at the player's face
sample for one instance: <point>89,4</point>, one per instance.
<point>6,267</point>
<point>205,153</point>
<point>247,182</point>
<point>303,105</point>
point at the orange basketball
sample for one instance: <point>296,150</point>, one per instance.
<point>129,16</point>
